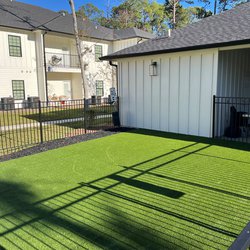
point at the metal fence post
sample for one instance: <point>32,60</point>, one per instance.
<point>40,121</point>
<point>85,115</point>
<point>118,104</point>
<point>213,128</point>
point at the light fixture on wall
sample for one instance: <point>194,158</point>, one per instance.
<point>153,69</point>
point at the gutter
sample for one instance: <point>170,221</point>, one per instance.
<point>116,74</point>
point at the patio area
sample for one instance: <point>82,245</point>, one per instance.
<point>133,190</point>
<point>232,101</point>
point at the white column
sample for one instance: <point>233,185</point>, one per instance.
<point>41,78</point>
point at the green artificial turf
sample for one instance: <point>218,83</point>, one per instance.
<point>141,190</point>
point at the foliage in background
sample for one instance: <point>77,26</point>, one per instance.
<point>178,16</point>
<point>219,6</point>
<point>90,11</point>
<point>154,17</point>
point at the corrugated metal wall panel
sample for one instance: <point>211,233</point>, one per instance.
<point>233,73</point>
<point>233,81</point>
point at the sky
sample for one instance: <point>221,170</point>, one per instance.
<point>57,5</point>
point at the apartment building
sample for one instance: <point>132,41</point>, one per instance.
<point>39,58</point>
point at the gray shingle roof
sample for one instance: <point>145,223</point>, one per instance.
<point>228,28</point>
<point>25,16</point>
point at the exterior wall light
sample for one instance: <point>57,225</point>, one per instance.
<point>153,69</point>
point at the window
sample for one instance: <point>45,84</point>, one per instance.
<point>98,52</point>
<point>18,89</point>
<point>15,48</point>
<point>99,88</point>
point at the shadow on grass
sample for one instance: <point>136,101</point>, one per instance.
<point>198,139</point>
<point>72,216</point>
<point>148,187</point>
<point>113,212</point>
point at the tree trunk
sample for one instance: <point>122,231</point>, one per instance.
<point>79,48</point>
<point>215,7</point>
<point>174,13</point>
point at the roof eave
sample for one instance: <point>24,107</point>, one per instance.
<point>206,46</point>
<point>132,37</point>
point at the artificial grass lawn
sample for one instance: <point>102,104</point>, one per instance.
<point>130,190</point>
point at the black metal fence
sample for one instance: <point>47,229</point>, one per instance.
<point>30,123</point>
<point>231,118</point>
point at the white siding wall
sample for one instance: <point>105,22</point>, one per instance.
<point>60,44</point>
<point>18,68</point>
<point>178,99</point>
<point>121,44</point>
<point>100,70</point>
<point>75,80</point>
<point>77,90</point>
<point>94,70</point>
<point>30,67</point>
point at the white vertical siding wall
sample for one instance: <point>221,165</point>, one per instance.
<point>178,99</point>
<point>122,44</point>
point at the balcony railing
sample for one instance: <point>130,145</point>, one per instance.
<point>62,60</point>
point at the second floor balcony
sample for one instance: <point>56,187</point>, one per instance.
<point>60,60</point>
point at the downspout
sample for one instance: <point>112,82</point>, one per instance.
<point>116,74</point>
<point>45,69</point>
